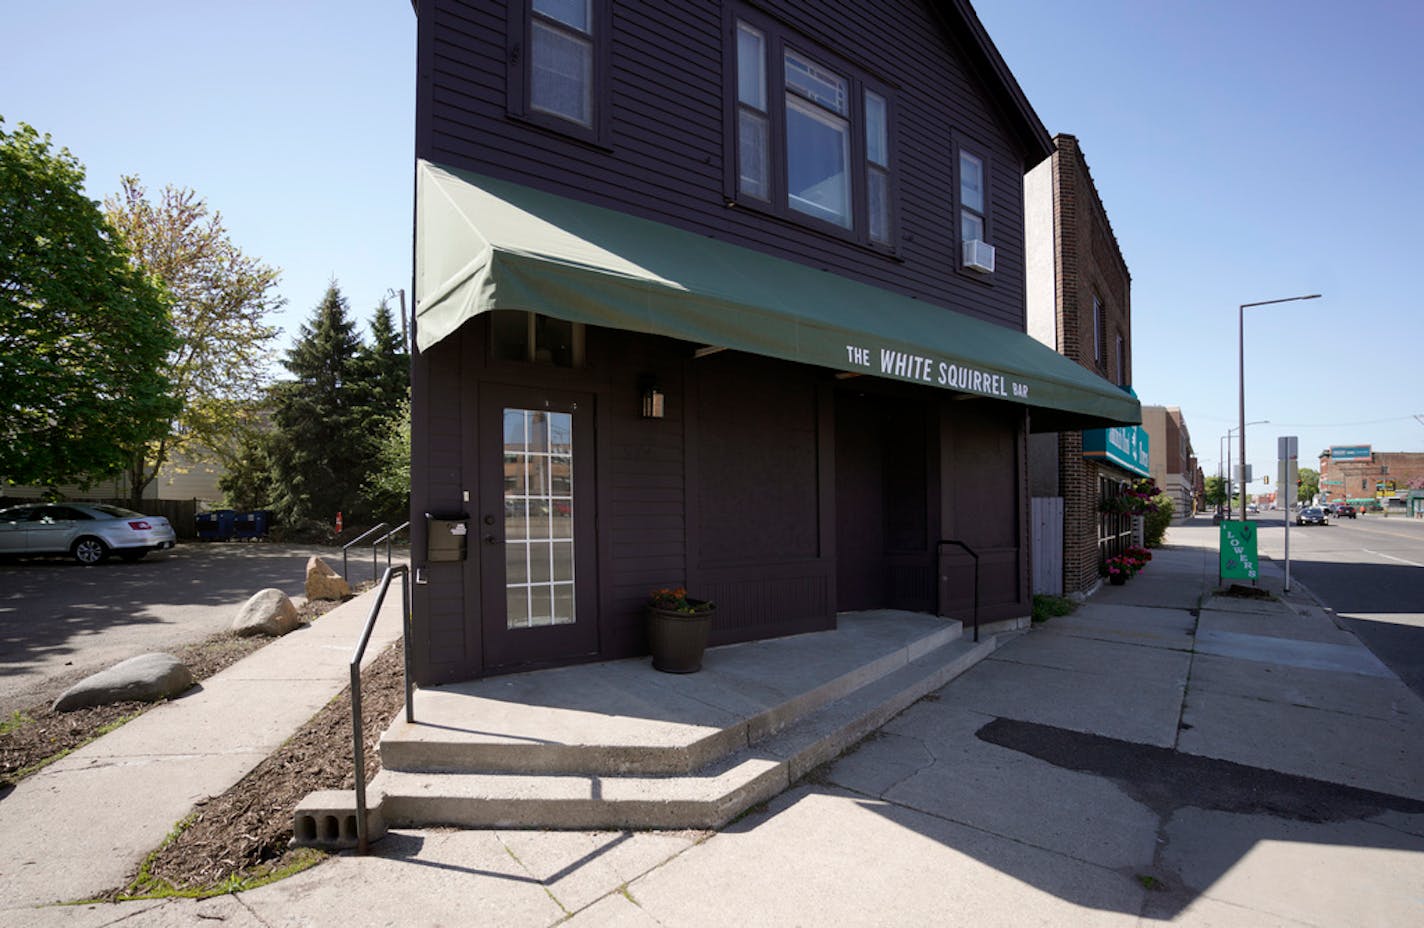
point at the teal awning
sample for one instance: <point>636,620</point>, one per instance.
<point>484,244</point>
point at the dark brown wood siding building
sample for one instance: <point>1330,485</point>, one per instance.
<point>783,491</point>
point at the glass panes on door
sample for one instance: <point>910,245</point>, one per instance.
<point>538,518</point>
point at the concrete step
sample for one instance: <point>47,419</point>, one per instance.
<point>708,797</point>
<point>623,719</point>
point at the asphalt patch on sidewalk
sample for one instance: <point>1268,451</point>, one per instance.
<point>1165,780</point>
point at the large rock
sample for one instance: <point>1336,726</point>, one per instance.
<point>325,583</point>
<point>268,612</point>
<point>146,678</point>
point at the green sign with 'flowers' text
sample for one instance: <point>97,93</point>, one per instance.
<point>1238,551</point>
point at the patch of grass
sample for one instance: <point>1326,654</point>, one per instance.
<point>1047,606</point>
<point>148,886</point>
<point>1150,882</point>
<point>16,720</point>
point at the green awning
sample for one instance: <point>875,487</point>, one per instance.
<point>484,244</point>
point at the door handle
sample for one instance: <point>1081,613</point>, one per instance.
<point>491,539</point>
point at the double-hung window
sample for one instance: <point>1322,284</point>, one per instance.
<point>811,135</point>
<point>971,197</point>
<point>817,141</point>
<point>558,65</point>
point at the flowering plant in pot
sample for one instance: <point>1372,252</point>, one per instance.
<point>1120,569</point>
<point>1139,554</point>
<point>678,626</point>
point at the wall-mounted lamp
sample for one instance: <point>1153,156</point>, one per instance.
<point>652,401</point>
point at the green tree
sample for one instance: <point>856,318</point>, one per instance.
<point>1309,485</point>
<point>84,332</point>
<point>1157,519</point>
<point>383,367</point>
<point>387,488</point>
<point>318,448</point>
<point>247,482</point>
<point>221,298</point>
<point>1214,493</point>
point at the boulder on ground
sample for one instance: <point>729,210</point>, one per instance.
<point>146,678</point>
<point>269,612</point>
<point>325,583</point>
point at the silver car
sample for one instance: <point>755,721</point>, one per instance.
<point>88,532</point>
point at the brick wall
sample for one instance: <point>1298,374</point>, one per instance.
<point>1090,265</point>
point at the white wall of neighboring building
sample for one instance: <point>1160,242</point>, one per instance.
<point>181,478</point>
<point>1040,286</point>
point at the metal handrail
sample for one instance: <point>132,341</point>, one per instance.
<point>357,540</point>
<point>358,742</point>
<point>970,552</point>
<point>387,539</point>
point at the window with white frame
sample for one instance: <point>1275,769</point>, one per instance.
<point>812,135</point>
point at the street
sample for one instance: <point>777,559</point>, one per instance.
<point>1370,571</point>
<point>60,622</point>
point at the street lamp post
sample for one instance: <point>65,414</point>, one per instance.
<point>1227,437</point>
<point>1241,372</point>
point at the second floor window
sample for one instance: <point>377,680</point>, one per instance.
<point>971,197</point>
<point>812,137</point>
<point>561,59</point>
<point>558,66</point>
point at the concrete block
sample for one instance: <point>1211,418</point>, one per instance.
<point>327,819</point>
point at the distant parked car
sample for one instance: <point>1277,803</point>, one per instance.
<point>88,532</point>
<point>1343,511</point>
<point>1312,515</point>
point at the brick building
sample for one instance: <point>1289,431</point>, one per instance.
<point>1079,302</point>
<point>1360,475</point>
<point>1173,466</point>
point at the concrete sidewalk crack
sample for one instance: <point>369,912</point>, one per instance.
<point>250,911</point>
<point>1187,682</point>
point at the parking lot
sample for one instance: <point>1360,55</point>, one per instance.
<point>60,621</point>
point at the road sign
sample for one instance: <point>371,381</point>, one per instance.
<point>1238,550</point>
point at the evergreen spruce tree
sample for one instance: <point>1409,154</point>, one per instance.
<point>320,445</point>
<point>384,400</point>
<point>384,366</point>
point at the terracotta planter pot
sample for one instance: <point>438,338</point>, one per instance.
<point>677,639</point>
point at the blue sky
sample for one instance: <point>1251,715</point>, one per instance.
<point>1248,151</point>
<point>1245,151</point>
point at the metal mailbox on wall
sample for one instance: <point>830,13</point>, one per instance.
<point>445,535</point>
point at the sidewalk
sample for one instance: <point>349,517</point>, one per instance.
<point>82,825</point>
<point>1163,755</point>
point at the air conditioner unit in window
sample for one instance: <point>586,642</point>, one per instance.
<point>979,256</point>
